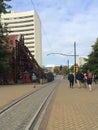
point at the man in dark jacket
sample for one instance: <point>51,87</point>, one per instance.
<point>71,80</point>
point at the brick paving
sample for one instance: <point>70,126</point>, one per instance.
<point>70,109</point>
<point>10,93</point>
<point>73,109</point>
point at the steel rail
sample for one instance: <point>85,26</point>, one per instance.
<point>34,120</point>
<point>18,100</point>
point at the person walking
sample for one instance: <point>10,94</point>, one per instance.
<point>89,79</point>
<point>79,78</point>
<point>85,80</point>
<point>95,78</point>
<point>71,80</point>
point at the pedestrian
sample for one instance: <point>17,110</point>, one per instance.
<point>95,79</point>
<point>85,80</point>
<point>71,80</point>
<point>34,78</point>
<point>79,78</point>
<point>89,79</point>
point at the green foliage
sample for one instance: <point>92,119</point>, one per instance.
<point>92,61</point>
<point>64,70</point>
<point>4,6</point>
<point>72,69</point>
<point>93,58</point>
<point>4,66</point>
<point>56,70</point>
<point>84,68</point>
<point>4,55</point>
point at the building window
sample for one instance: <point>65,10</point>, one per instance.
<point>21,26</point>
<point>23,30</point>
<point>32,51</point>
<point>31,47</point>
<point>15,22</point>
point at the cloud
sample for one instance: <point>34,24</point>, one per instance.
<point>63,23</point>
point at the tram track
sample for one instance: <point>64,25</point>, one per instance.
<point>30,114</point>
<point>43,106</point>
<point>17,101</point>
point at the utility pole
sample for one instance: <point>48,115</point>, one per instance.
<point>68,65</point>
<point>75,60</point>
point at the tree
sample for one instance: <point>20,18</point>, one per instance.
<point>4,6</point>
<point>93,58</point>
<point>56,70</point>
<point>4,55</point>
<point>92,61</point>
<point>65,70</point>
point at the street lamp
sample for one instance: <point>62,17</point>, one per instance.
<point>68,60</point>
<point>62,55</point>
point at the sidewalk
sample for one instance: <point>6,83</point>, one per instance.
<point>10,93</point>
<point>72,109</point>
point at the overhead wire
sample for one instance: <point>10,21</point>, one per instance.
<point>33,5</point>
<point>45,34</point>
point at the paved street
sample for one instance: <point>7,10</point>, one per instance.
<point>72,109</point>
<point>10,93</point>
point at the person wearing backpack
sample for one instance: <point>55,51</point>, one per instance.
<point>79,78</point>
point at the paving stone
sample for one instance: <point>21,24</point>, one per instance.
<point>74,109</point>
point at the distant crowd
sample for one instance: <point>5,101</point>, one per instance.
<point>82,79</point>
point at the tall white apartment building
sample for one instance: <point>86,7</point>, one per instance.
<point>28,24</point>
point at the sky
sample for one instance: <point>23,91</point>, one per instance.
<point>63,22</point>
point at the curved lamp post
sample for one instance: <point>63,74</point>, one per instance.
<point>68,60</point>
